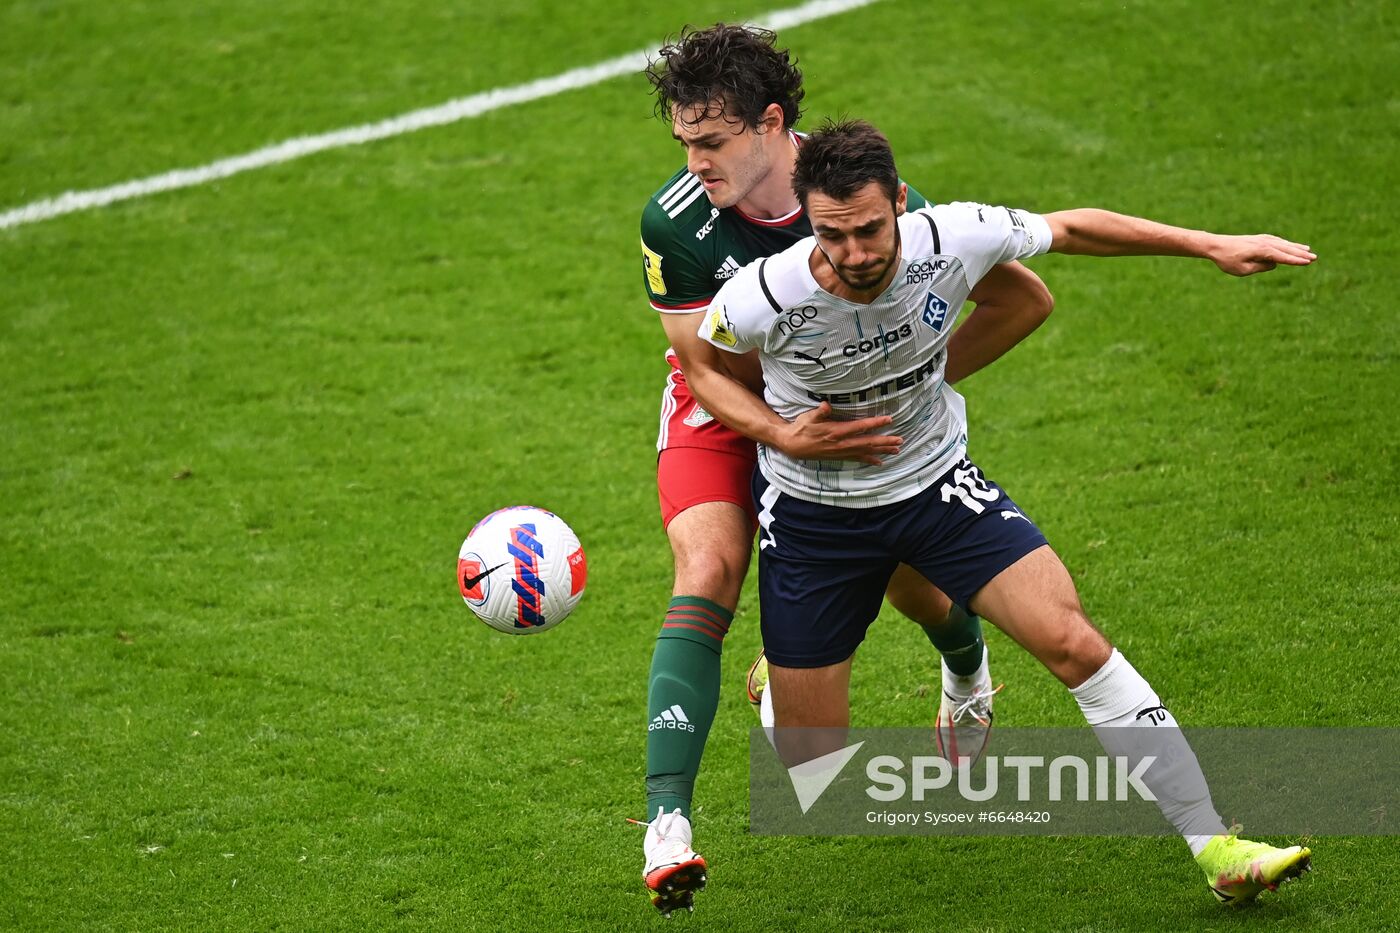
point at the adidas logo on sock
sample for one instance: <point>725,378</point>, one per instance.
<point>673,718</point>
<point>727,269</point>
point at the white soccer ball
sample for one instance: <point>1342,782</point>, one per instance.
<point>521,570</point>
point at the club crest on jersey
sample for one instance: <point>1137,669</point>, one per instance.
<point>698,416</point>
<point>721,330</point>
<point>935,312</point>
<point>651,261</point>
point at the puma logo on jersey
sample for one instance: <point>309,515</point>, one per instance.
<point>810,358</point>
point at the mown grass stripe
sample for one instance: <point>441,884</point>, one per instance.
<point>462,108</point>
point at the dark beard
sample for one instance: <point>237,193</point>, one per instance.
<point>883,269</point>
<point>858,285</point>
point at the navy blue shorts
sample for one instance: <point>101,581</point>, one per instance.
<point>823,569</point>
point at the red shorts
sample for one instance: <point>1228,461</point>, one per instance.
<point>699,459</point>
<point>685,424</point>
<point>687,476</point>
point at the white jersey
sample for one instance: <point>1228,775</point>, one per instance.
<point>884,358</point>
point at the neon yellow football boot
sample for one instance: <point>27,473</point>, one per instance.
<point>1237,870</point>
<point>758,680</point>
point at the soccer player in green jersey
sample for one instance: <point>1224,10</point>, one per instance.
<point>731,99</point>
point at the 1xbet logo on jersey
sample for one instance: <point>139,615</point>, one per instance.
<point>935,312</point>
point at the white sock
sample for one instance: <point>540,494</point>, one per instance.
<point>961,686</point>
<point>1197,843</point>
<point>765,714</point>
<point>1131,722</point>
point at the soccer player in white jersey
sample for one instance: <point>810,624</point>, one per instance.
<point>880,286</point>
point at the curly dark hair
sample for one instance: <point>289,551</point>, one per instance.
<point>841,158</point>
<point>733,71</point>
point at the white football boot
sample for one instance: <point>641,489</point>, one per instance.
<point>964,722</point>
<point>674,872</point>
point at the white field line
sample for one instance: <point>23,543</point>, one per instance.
<point>462,108</point>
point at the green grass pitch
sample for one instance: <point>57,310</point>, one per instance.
<point>244,427</point>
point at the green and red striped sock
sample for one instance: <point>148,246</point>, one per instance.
<point>682,698</point>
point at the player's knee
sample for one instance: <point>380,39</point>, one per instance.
<point>714,573</point>
<point>1044,303</point>
<point>1075,649</point>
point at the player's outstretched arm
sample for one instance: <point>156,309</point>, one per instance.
<point>729,387</point>
<point>1011,302</point>
<point>1093,232</point>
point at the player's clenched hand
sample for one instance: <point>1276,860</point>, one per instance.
<point>1246,255</point>
<point>814,435</point>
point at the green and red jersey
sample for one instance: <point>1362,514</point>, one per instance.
<point>689,250</point>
